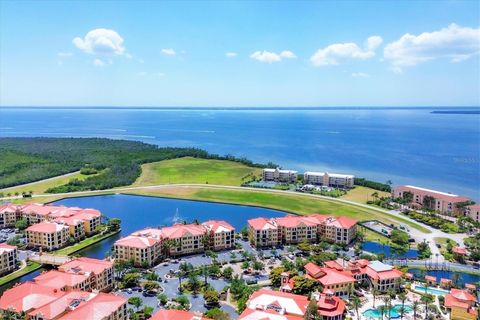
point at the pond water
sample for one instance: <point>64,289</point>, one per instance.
<point>137,212</point>
<point>388,251</point>
<point>462,277</point>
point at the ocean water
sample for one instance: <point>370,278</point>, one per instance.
<point>406,146</point>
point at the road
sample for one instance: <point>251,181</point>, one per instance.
<point>416,234</point>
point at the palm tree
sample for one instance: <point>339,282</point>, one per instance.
<point>194,283</point>
<point>382,310</point>
<point>388,301</point>
<point>415,308</point>
<point>356,303</point>
<point>375,293</point>
<point>402,296</point>
<point>426,299</point>
<point>184,268</point>
<point>167,245</point>
<point>205,274</point>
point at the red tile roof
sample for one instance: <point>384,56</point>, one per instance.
<point>333,265</point>
<point>256,314</point>
<point>136,242</point>
<point>432,193</point>
<point>431,278</point>
<point>292,304</point>
<point>60,306</point>
<point>98,308</point>
<point>86,265</point>
<point>59,280</point>
<point>262,224</point>
<point>459,298</point>
<point>295,221</point>
<point>460,251</point>
<point>47,227</point>
<point>180,230</point>
<point>328,276</point>
<point>470,286</point>
<point>165,314</point>
<point>329,305</point>
<point>28,296</point>
<point>6,247</point>
<point>218,226</point>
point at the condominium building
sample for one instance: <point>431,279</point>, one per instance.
<point>186,238</point>
<point>35,213</point>
<point>294,229</point>
<point>263,232</point>
<point>101,306</point>
<point>8,215</point>
<point>461,304</point>
<point>279,175</point>
<point>75,226</point>
<point>473,212</point>
<point>138,249</point>
<point>383,276</point>
<point>220,233</point>
<point>8,258</point>
<point>99,272</point>
<point>341,281</point>
<point>149,245</point>
<point>63,281</point>
<point>442,202</point>
<point>48,235</point>
<point>336,180</point>
<point>90,218</point>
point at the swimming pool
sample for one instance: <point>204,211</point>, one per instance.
<point>394,312</point>
<point>434,291</point>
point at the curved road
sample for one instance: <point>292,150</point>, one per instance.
<point>416,234</point>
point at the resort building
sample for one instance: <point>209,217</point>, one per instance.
<point>330,307</point>
<point>138,249</point>
<point>442,202</point>
<point>383,276</point>
<point>186,238</point>
<point>335,180</point>
<point>461,304</point>
<point>150,245</point>
<point>339,281</point>
<point>75,227</point>
<point>221,234</point>
<point>279,175</point>
<point>63,281</point>
<point>35,213</point>
<point>263,232</point>
<point>48,235</point>
<point>8,215</point>
<point>166,314</point>
<point>473,212</point>
<point>99,272</point>
<point>269,304</point>
<point>294,229</point>
<point>27,297</point>
<point>31,300</point>
<point>8,258</point>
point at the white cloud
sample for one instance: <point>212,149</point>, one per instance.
<point>231,54</point>
<point>169,52</point>
<point>360,75</point>
<point>104,42</point>
<point>99,63</point>
<point>288,54</point>
<point>269,57</point>
<point>454,42</point>
<point>340,52</point>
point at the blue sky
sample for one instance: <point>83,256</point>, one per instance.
<point>134,53</point>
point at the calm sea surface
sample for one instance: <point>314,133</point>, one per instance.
<point>417,147</point>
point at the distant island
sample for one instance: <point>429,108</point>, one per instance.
<point>456,111</point>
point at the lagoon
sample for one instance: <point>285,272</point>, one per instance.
<point>462,277</point>
<point>388,251</point>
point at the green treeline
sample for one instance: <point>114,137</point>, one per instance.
<point>373,184</point>
<point>111,163</point>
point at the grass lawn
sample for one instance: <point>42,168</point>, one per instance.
<point>295,203</point>
<point>84,243</point>
<point>362,194</point>
<point>194,170</point>
<point>369,235</point>
<point>31,266</point>
<point>41,186</point>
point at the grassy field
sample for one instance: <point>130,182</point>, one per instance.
<point>362,194</point>
<point>295,203</point>
<point>41,186</point>
<point>195,170</point>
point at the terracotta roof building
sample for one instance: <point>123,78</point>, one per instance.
<point>461,304</point>
<point>8,258</point>
<point>165,314</point>
<point>48,235</point>
<point>100,272</point>
<point>442,202</point>
<point>339,280</point>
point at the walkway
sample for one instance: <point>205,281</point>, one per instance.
<point>50,259</point>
